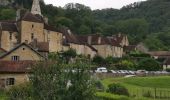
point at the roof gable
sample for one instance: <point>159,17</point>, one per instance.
<point>14,49</point>
<point>33,18</point>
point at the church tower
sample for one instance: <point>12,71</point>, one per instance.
<point>36,7</point>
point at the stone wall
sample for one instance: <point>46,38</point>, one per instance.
<point>18,79</point>
<point>29,28</point>
<point>8,42</point>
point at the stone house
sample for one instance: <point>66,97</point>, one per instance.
<point>22,52</point>
<point>73,41</point>
<point>104,45</point>
<point>15,65</point>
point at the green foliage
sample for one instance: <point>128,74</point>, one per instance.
<point>108,96</point>
<point>126,65</point>
<point>117,89</point>
<point>57,81</point>
<point>63,21</point>
<point>21,92</point>
<point>7,14</point>
<point>141,24</point>
<point>99,60</point>
<point>71,53</point>
<point>147,94</point>
<point>149,64</point>
<point>99,86</point>
<point>168,69</point>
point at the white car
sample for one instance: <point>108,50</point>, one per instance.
<point>113,71</point>
<point>101,70</point>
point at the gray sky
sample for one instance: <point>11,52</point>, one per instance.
<point>94,4</point>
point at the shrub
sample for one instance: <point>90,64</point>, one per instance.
<point>117,89</point>
<point>99,86</point>
<point>149,64</point>
<point>168,69</point>
<point>21,92</point>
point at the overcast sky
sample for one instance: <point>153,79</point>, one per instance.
<point>94,4</point>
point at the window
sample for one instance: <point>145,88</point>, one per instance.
<point>32,26</point>
<point>15,58</point>
<point>32,36</point>
<point>10,81</point>
<point>10,35</point>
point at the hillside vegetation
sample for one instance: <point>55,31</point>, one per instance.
<point>147,22</point>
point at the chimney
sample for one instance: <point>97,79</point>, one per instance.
<point>69,32</point>
<point>89,39</point>
<point>46,20</point>
<point>99,40</point>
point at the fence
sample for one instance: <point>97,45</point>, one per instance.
<point>153,93</point>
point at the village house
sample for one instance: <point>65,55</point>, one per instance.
<point>16,63</point>
<point>29,39</point>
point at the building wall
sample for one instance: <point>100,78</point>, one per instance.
<point>27,28</point>
<point>24,53</point>
<point>125,41</point>
<point>54,39</point>
<point>104,50</point>
<point>117,51</point>
<point>89,52</point>
<point>19,79</point>
<point>8,42</point>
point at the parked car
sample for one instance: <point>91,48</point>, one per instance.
<point>141,72</point>
<point>132,72</point>
<point>113,71</point>
<point>101,70</point>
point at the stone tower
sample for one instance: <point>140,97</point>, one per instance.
<point>36,7</point>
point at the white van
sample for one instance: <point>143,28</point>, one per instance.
<point>101,70</point>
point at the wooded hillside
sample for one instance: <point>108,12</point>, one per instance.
<point>147,22</point>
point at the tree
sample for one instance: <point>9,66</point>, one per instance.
<point>84,29</point>
<point>58,81</point>
<point>126,65</point>
<point>149,64</point>
<point>99,60</point>
<point>7,14</point>
<point>63,21</point>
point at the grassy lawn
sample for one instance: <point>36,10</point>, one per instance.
<point>139,86</point>
<point>2,96</point>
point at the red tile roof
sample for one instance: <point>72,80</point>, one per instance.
<point>16,66</point>
<point>159,53</point>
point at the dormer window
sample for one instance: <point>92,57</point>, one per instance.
<point>32,36</point>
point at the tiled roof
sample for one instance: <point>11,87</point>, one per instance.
<point>159,53</point>
<point>92,48</point>
<point>40,46</point>
<point>51,28</point>
<point>69,36</point>
<point>33,18</point>
<point>129,48</point>
<point>2,50</point>
<point>96,37</point>
<point>16,66</point>
<point>8,26</point>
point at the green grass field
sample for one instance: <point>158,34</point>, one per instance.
<point>158,87</point>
